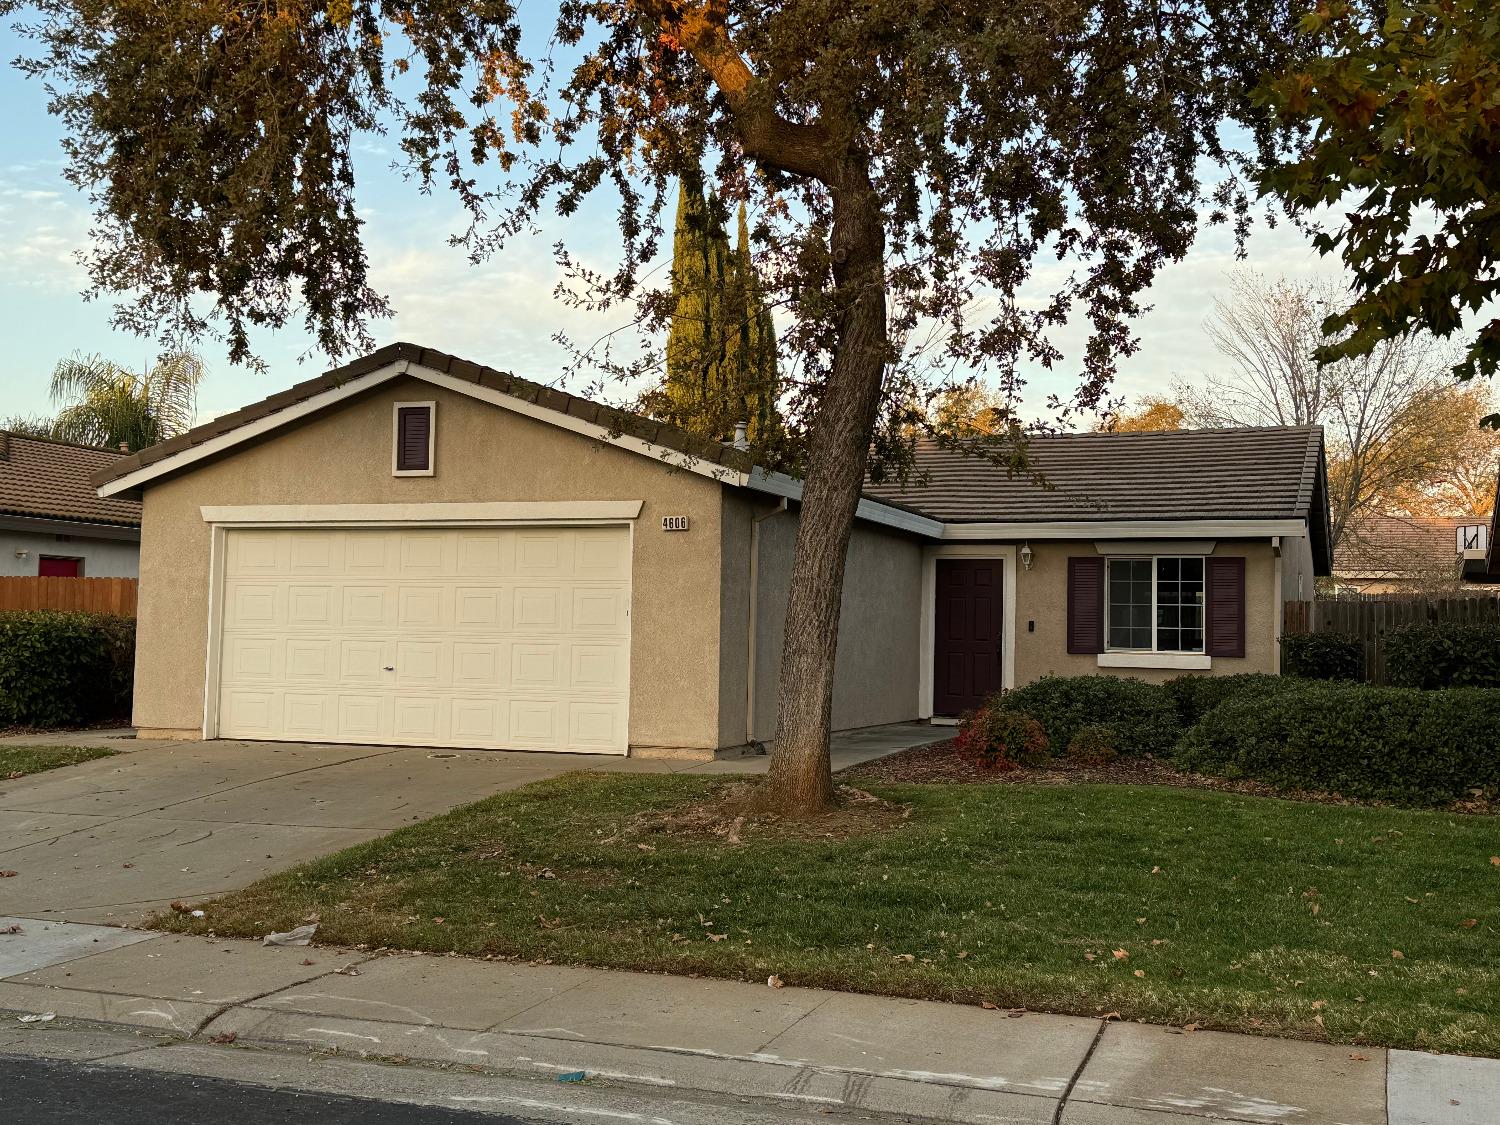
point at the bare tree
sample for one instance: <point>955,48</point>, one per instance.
<point>1389,417</point>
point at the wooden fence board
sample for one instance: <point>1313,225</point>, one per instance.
<point>1372,618</point>
<point>81,595</point>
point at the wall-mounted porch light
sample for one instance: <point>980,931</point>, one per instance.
<point>1026,555</point>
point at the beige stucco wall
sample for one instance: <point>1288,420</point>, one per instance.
<point>483,453</point>
<point>1042,597</point>
<point>876,674</point>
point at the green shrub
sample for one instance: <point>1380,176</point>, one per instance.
<point>1143,716</point>
<point>1398,744</point>
<point>63,669</point>
<point>1323,656</point>
<point>1195,696</point>
<point>1001,740</point>
<point>1093,745</point>
<point>1443,654</point>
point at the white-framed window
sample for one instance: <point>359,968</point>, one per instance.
<point>1154,604</point>
<point>414,438</point>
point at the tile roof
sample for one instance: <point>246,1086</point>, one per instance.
<point>1269,473</point>
<point>1394,546</point>
<point>53,480</point>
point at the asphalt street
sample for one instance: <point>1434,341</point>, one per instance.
<point>50,1092</point>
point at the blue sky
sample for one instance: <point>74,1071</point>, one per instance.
<point>502,313</point>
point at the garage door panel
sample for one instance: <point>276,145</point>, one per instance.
<point>506,638</point>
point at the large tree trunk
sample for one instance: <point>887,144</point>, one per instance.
<point>838,450</point>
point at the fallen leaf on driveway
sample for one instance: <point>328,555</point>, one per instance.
<point>1359,1058</point>
<point>13,928</point>
<point>224,1037</point>
<point>774,981</point>
<point>989,1007</point>
<point>8,874</point>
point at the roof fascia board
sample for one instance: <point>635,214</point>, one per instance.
<point>872,511</point>
<point>669,457</point>
<point>249,430</point>
<point>57,525</point>
<point>1126,529</point>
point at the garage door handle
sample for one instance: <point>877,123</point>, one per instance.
<point>388,668</point>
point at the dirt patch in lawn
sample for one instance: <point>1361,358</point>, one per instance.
<point>735,814</point>
<point>941,762</point>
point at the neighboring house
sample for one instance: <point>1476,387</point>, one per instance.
<point>53,520</point>
<point>1482,561</point>
<point>414,549</point>
<point>1406,554</point>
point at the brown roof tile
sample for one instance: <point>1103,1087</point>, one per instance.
<point>51,480</point>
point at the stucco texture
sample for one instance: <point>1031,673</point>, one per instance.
<point>876,674</point>
<point>1042,598</point>
<point>482,454</point>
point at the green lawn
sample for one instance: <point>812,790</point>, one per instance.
<point>1234,912</point>
<point>18,761</point>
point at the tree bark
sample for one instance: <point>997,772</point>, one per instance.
<point>800,779</point>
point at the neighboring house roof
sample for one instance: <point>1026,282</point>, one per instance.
<point>1377,546</point>
<point>45,479</point>
<point>1196,475</point>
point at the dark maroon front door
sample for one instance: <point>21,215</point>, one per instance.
<point>966,635</point>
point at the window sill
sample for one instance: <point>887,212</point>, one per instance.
<point>1186,661</point>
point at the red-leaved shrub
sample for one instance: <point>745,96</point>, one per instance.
<point>1001,740</point>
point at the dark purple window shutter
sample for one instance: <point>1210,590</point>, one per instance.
<point>413,431</point>
<point>1224,593</point>
<point>1085,604</point>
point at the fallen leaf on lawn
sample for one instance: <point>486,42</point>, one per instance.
<point>1359,1058</point>
<point>1397,955</point>
<point>989,1007</point>
<point>313,917</point>
<point>717,937</point>
<point>774,981</point>
<point>1140,921</point>
<point>1319,1004</point>
<point>1140,972</point>
<point>1460,991</point>
<point>549,923</point>
<point>1318,1020</point>
<point>1495,861</point>
<point>224,1037</point>
<point>646,847</point>
<point>180,906</point>
<point>1156,871</point>
<point>1469,923</point>
<point>904,957</point>
<point>1158,941</point>
<point>1089,956</point>
<point>1121,954</point>
<point>439,920</point>
<point>1189,1028</point>
<point>1107,1016</point>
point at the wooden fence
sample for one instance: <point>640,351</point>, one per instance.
<point>86,595</point>
<point>1371,618</point>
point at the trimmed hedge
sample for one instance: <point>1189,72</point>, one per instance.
<point>1196,696</point>
<point>64,669</point>
<point>1143,715</point>
<point>1443,654</point>
<point>1397,744</point>
<point>1323,656</point>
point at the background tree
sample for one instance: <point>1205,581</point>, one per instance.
<point>1401,109</point>
<point>1151,414</point>
<point>906,155</point>
<point>721,341</point>
<point>1463,483</point>
<point>1392,417</point>
<point>107,405</point>
<point>28,425</point>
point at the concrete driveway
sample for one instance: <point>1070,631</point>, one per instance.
<point>118,839</point>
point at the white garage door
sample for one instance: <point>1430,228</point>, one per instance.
<point>500,638</point>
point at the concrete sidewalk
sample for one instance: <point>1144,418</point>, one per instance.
<point>507,1031</point>
<point>118,839</point>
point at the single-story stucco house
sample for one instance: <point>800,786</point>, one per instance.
<point>53,522</point>
<point>417,550</point>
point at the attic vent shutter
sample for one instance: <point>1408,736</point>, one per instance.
<point>413,434</point>
<point>1085,604</point>
<point>1225,594</point>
